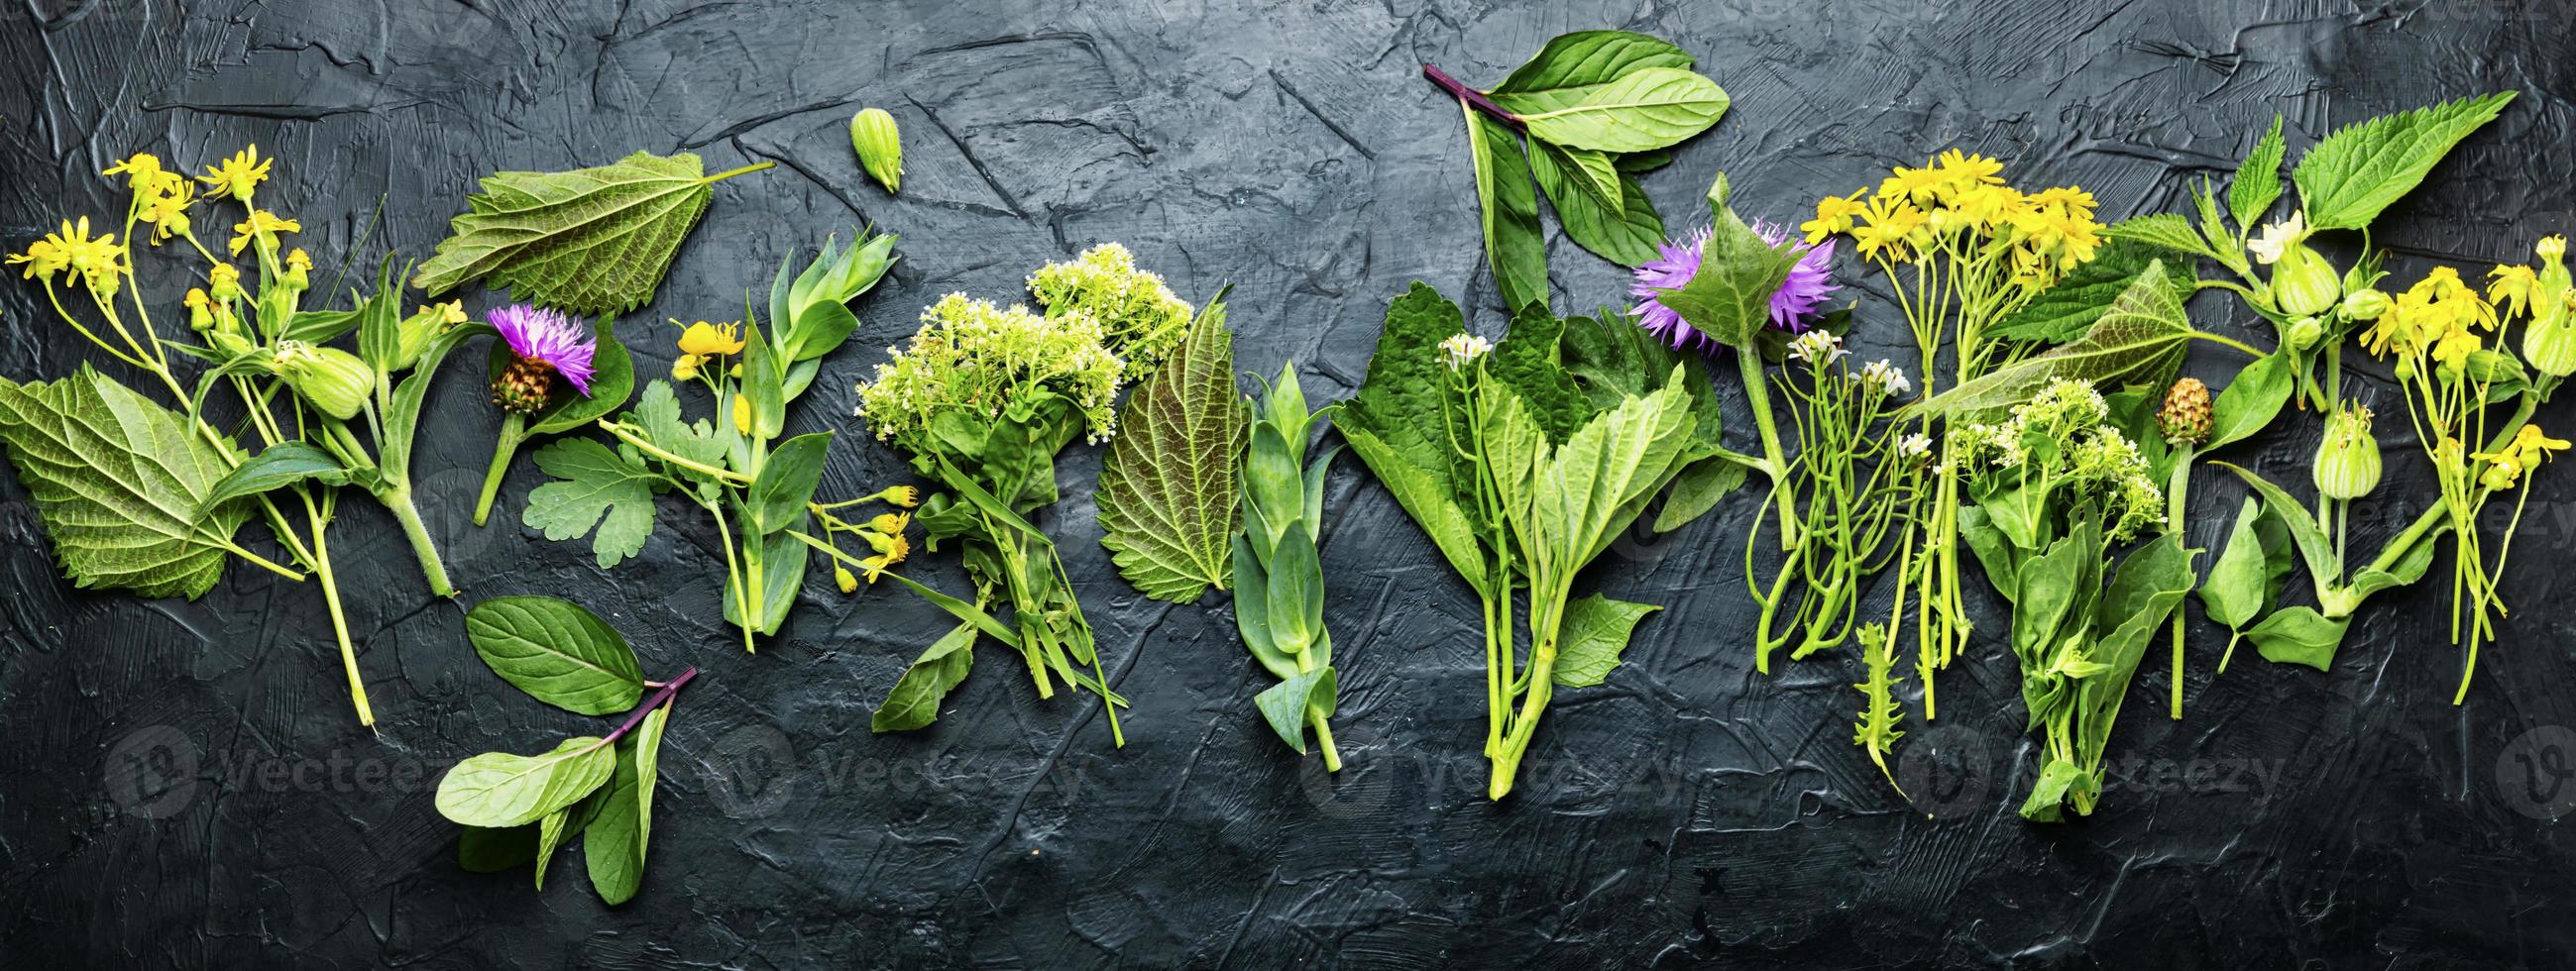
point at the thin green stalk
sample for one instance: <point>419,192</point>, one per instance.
<point>398,500</point>
<point>514,430</point>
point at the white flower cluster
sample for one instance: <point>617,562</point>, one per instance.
<point>1142,318</point>
<point>2091,458</point>
<point>1883,375</point>
<point>1817,348</point>
<point>973,356</point>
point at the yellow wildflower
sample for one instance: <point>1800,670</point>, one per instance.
<point>742,414</point>
<point>166,207</point>
<point>842,578</point>
<point>1889,222</point>
<point>2529,446</point>
<point>1987,206</point>
<point>2455,346</point>
<point>1833,215</point>
<point>902,495</point>
<point>238,175</point>
<point>2514,288</point>
<point>223,280</point>
<point>891,549</point>
<point>262,225</point>
<point>686,368</point>
<point>891,522</point>
<point>142,171</point>
<point>711,340</point>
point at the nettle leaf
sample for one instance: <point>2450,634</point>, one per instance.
<point>498,789</point>
<point>1622,229</point>
<point>914,702</point>
<point>1572,65</point>
<point>2064,312</point>
<point>1167,496</point>
<point>1514,243</point>
<point>594,487</point>
<point>121,484</point>
<point>591,241</point>
<point>557,652</point>
<point>1643,110</point>
<point>1595,632</point>
<point>2164,230</point>
<point>2140,340</point>
<point>2346,180</point>
<point>2258,179</point>
<point>613,846</point>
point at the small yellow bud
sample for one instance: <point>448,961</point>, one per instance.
<point>742,414</point>
<point>873,135</point>
<point>844,579</point>
<point>685,369</point>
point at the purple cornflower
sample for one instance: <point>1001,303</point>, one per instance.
<point>547,343</point>
<point>1799,298</point>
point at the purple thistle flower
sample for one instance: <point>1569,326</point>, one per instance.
<point>547,337</point>
<point>1797,301</point>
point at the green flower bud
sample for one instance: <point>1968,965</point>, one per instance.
<point>2305,332</point>
<point>2347,464</point>
<point>328,378</point>
<point>2303,283</point>
<point>2364,304</point>
<point>419,330</point>
<point>873,134</point>
<point>229,341</point>
<point>2489,366</point>
<point>2549,343</point>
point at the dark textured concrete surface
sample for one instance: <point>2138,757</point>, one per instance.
<point>184,785</point>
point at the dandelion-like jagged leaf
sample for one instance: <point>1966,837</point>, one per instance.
<point>591,241</point>
<point>1167,491</point>
<point>120,484</point>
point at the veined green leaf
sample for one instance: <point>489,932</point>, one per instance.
<point>614,845</point>
<point>557,652</point>
<point>1640,111</point>
<point>2257,184</point>
<point>1572,65</point>
<point>2314,548</point>
<point>1168,495</point>
<point>1729,298</point>
<point>2166,230</point>
<point>2239,586</point>
<point>276,467</point>
<point>592,241</point>
<point>2250,400</point>
<point>1595,632</point>
<point>777,497</point>
<point>914,702</point>
<point>1622,229</point>
<point>1697,489</point>
<point>498,789</point>
<point>2299,635</point>
<point>1576,171</point>
<point>121,485</point>
<point>2064,312</point>
<point>1286,705</point>
<point>2140,340</point>
<point>2346,180</point>
<point>1514,244</point>
<point>594,487</point>
<point>550,835</point>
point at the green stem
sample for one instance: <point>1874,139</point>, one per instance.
<point>339,620</point>
<point>1315,715</point>
<point>398,500</point>
<point>730,173</point>
<point>647,447</point>
<point>2175,501</point>
<point>1749,361</point>
<point>514,430</point>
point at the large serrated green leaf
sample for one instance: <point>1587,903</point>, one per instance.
<point>121,485</point>
<point>1168,499</point>
<point>2359,170</point>
<point>2138,341</point>
<point>1595,632</point>
<point>2065,311</point>
<point>2257,184</point>
<point>591,241</point>
<point>2164,229</point>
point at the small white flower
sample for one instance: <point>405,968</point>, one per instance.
<point>1465,348</point>
<point>2272,240</point>
<point>1816,347</point>
<point>1886,376</point>
<point>1915,446</point>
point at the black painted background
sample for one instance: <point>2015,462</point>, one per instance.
<point>185,786</point>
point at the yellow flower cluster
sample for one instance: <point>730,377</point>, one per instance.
<point>1958,203</point>
<point>2439,316</point>
<point>703,342</point>
<point>93,261</point>
<point>2506,464</point>
<point>161,196</point>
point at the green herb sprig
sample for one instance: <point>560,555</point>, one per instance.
<point>1278,572</point>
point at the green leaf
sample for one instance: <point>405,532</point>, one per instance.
<point>1396,425</point>
<point>2314,548</point>
<point>1285,705</point>
<point>779,560</point>
<point>591,241</point>
<point>550,834</point>
<point>2150,584</point>
<point>1642,110</point>
<point>2251,400</point>
<point>323,327</point>
<point>2240,582</point>
<point>594,487</point>
<point>1528,361</point>
<point>498,789</point>
<point>1252,611</point>
<point>557,652</point>
<point>2165,230</point>
<point>1572,65</point>
<point>1296,592</point>
<point>2359,170</point>
<point>485,850</point>
<point>1168,495</point>
<point>1729,297</point>
<point>2140,340</point>
<point>2258,179</point>
<point>612,381</point>
<point>121,485</point>
<point>276,467</point>
<point>380,323</point>
<point>614,846</point>
<point>657,416</point>
<point>1514,243</point>
<point>2408,568</point>
<point>2064,312</point>
<point>786,482</point>
<point>1595,632</point>
<point>1622,228</point>
<point>1697,490</point>
<point>2299,635</point>
<point>914,702</point>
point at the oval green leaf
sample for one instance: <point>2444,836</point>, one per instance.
<point>557,652</point>
<point>498,789</point>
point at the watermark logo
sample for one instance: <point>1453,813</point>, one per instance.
<point>151,773</point>
<point>750,771</point>
<point>1946,771</point>
<point>2536,773</point>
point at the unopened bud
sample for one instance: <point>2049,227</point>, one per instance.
<point>2347,464</point>
<point>328,378</point>
<point>2305,332</point>
<point>2364,304</point>
<point>880,148</point>
<point>2303,283</point>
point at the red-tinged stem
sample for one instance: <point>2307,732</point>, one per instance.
<point>1471,96</point>
<point>659,699</point>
